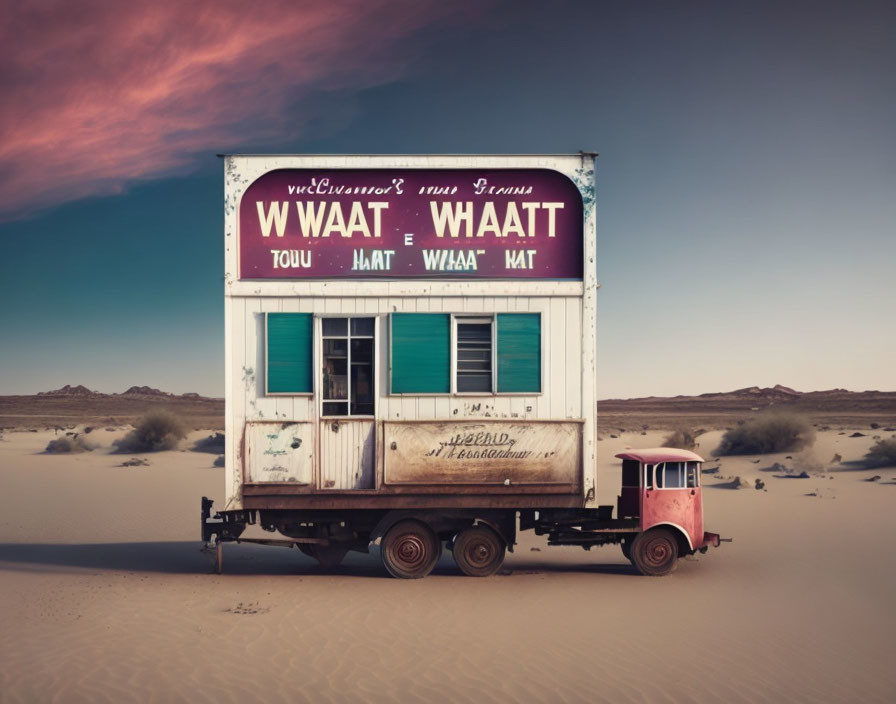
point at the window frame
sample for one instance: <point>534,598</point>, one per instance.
<point>474,319</point>
<point>319,366</point>
<point>491,318</point>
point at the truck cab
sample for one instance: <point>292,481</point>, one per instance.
<point>661,491</point>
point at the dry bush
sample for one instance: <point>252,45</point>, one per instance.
<point>155,431</point>
<point>882,454</point>
<point>681,438</point>
<point>68,444</point>
<point>774,432</point>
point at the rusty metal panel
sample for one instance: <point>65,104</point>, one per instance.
<point>352,500</point>
<point>280,452</point>
<point>497,452</point>
<point>346,454</point>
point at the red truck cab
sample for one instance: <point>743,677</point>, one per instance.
<point>661,490</point>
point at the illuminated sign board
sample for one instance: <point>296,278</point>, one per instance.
<point>417,223</point>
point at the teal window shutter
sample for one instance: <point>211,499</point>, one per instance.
<point>421,353</point>
<point>289,345</point>
<point>519,352</point>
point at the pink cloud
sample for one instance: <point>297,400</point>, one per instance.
<point>99,94</point>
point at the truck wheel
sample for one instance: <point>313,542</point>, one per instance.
<point>410,550</point>
<point>479,551</point>
<point>655,553</point>
<point>328,555</point>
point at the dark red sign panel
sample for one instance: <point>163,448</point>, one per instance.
<point>420,223</point>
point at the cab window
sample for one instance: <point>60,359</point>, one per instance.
<point>670,475</point>
<point>692,473</point>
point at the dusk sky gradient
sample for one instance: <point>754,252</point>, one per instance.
<point>746,179</point>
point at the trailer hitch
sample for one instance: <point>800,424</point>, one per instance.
<point>209,527</point>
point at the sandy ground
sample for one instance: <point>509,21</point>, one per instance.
<point>105,597</point>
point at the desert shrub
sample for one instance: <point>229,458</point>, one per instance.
<point>212,443</point>
<point>219,461</point>
<point>774,432</point>
<point>681,438</point>
<point>882,454</point>
<point>157,430</point>
<point>67,445</point>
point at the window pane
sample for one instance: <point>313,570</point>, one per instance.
<point>481,332</point>
<point>693,475</point>
<point>362,326</point>
<point>335,326</point>
<point>649,483</point>
<point>335,384</point>
<point>659,476</point>
<point>674,478</point>
<point>335,409</point>
<point>362,377</point>
<point>362,390</point>
<point>471,382</point>
<point>335,348</point>
<point>362,351</point>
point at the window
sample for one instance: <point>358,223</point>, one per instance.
<point>347,364</point>
<point>473,364</point>
<point>670,475</point>
<point>440,353</point>
<point>693,474</point>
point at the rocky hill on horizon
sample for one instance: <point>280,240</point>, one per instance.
<point>77,403</point>
<point>81,390</point>
<point>723,408</point>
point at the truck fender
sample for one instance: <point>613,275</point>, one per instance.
<point>506,533</point>
<point>390,519</point>
<point>684,540</point>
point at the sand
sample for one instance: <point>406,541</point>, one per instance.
<point>105,596</point>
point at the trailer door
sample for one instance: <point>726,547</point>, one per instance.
<point>347,402</point>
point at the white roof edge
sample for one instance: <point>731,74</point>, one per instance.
<point>331,154</point>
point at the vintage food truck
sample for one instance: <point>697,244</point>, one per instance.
<point>410,361</point>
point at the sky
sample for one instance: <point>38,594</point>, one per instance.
<point>746,184</point>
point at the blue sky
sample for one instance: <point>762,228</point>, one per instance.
<point>746,176</point>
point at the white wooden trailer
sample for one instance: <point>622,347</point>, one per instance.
<point>408,333</point>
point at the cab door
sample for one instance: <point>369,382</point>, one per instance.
<point>347,404</point>
<point>667,498</point>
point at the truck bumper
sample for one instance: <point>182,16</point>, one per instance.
<point>711,539</point>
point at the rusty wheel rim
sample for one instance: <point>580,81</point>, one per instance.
<point>658,552</point>
<point>410,551</point>
<point>479,553</point>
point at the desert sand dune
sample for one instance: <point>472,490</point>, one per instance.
<point>107,598</point>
